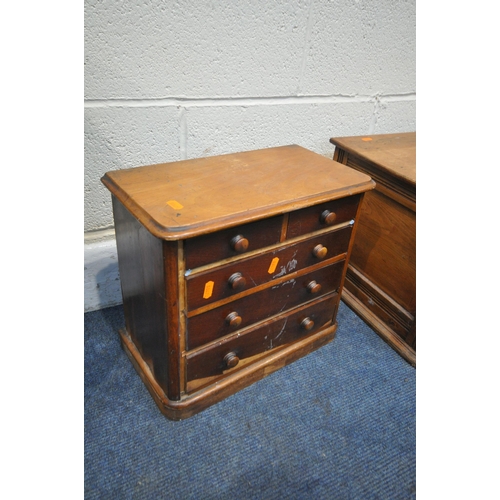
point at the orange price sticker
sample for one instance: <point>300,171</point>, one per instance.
<point>209,288</point>
<point>174,204</point>
<point>273,265</point>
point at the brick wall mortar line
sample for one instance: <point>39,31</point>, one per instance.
<point>245,101</point>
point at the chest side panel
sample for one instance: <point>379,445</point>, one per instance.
<point>141,266</point>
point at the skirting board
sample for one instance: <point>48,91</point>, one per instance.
<point>101,277</point>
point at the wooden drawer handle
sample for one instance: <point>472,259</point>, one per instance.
<point>313,287</point>
<point>328,217</point>
<point>239,243</point>
<point>319,251</point>
<point>307,324</point>
<point>231,360</point>
<point>237,281</point>
<point>233,319</point>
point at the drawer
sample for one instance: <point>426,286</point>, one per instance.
<point>231,242</point>
<point>245,311</point>
<point>231,279</point>
<point>321,216</point>
<point>216,358</point>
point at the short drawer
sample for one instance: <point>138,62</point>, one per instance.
<point>231,279</point>
<point>231,242</point>
<point>226,354</point>
<point>321,216</point>
<point>245,311</point>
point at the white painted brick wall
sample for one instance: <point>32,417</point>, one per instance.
<point>166,81</point>
<point>218,129</point>
<point>123,137</point>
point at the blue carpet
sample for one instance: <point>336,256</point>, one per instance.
<point>337,424</point>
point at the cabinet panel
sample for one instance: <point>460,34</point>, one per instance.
<point>380,282</point>
<point>385,248</point>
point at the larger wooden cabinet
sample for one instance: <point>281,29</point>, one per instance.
<point>231,267</point>
<point>381,277</point>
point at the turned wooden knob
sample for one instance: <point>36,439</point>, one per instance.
<point>307,324</point>
<point>327,217</point>
<point>320,251</point>
<point>233,319</point>
<point>237,281</point>
<point>231,360</point>
<point>239,243</point>
<point>313,287</point>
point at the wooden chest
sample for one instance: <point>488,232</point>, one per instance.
<point>381,277</point>
<point>231,267</point>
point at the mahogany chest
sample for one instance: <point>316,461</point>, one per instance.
<point>381,277</point>
<point>231,267</point>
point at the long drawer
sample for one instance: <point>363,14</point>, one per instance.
<point>216,358</point>
<point>241,313</point>
<point>226,281</point>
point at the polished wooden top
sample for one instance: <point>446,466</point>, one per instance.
<point>395,153</point>
<point>192,197</point>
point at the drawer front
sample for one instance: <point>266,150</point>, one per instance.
<point>226,281</point>
<point>215,359</point>
<point>321,216</point>
<point>231,242</point>
<point>242,312</point>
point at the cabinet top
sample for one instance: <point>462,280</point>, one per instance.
<point>394,153</point>
<point>191,197</point>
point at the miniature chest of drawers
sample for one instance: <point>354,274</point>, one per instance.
<point>381,278</point>
<point>231,267</point>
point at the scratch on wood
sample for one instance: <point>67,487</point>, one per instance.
<point>281,273</point>
<point>279,334</point>
<point>289,266</point>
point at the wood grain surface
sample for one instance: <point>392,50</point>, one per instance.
<point>192,197</point>
<point>393,153</point>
